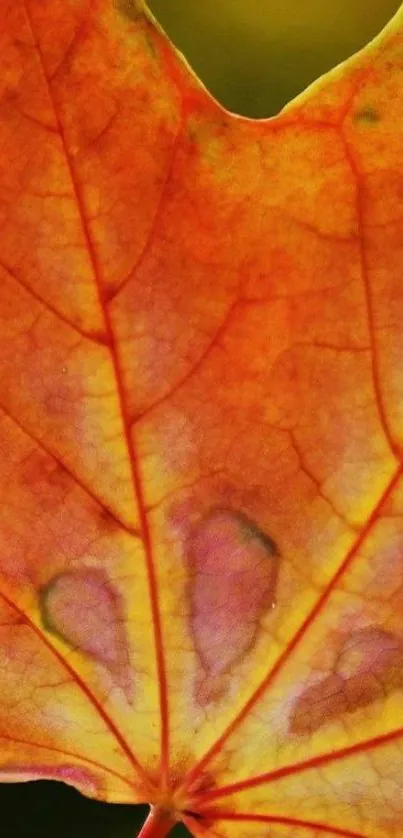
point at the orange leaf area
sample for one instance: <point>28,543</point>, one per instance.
<point>201,490</point>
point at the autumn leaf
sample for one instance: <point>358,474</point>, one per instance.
<point>201,564</point>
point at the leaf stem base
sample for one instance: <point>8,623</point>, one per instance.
<point>158,824</point>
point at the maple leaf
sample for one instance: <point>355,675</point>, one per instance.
<point>201,598</point>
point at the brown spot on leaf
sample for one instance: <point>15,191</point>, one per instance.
<point>133,9</point>
<point>366,114</point>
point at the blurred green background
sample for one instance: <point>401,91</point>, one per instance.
<point>254,55</point>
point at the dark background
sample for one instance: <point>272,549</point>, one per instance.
<point>43,809</point>
<point>254,56</point>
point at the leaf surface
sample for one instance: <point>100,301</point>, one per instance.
<point>201,573</point>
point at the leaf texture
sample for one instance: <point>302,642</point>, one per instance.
<point>201,541</point>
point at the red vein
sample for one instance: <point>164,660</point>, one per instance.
<point>153,226</point>
<point>394,447</point>
<point>76,678</point>
<point>284,658</point>
<point>284,821</point>
<point>94,337</point>
<point>204,355</point>
<point>299,767</point>
<point>126,430</point>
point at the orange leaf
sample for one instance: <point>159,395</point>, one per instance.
<point>201,565</point>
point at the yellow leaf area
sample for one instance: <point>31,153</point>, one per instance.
<point>201,393</point>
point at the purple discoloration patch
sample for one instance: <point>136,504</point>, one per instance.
<point>233,573</point>
<point>82,608</point>
<point>73,775</point>
<point>369,665</point>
